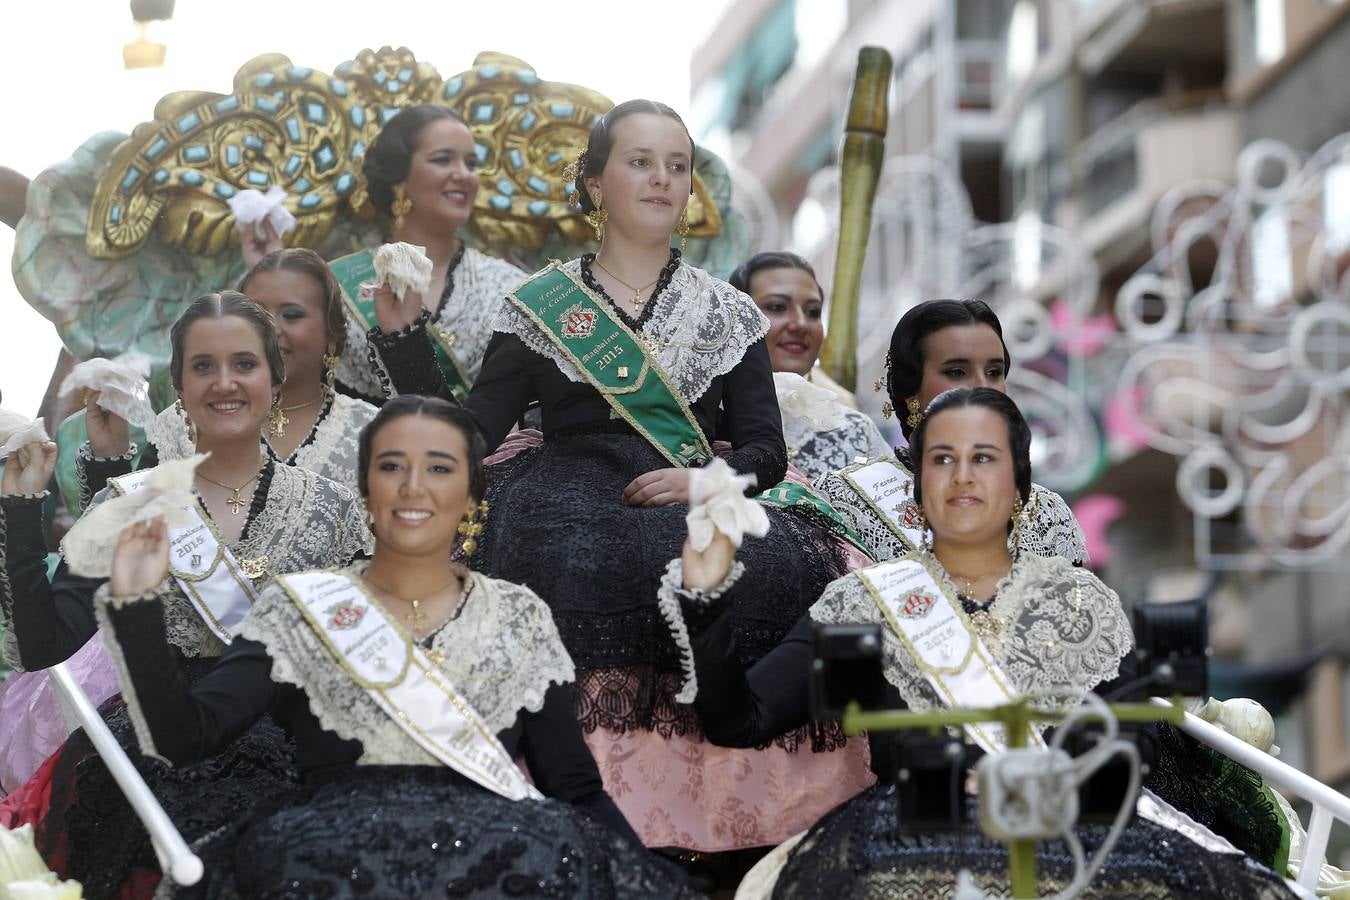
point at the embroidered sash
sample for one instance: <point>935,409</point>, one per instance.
<point>787,494</point>
<point>412,690</point>
<point>216,583</point>
<point>356,269</point>
<point>610,357</point>
<point>934,629</point>
<point>888,489</point>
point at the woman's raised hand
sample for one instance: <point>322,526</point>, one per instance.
<point>254,247</point>
<point>141,560</point>
<point>29,469</point>
<point>660,487</point>
<point>705,571</point>
<point>109,433</point>
<point>393,314</point>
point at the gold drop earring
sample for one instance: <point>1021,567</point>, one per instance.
<point>683,229</point>
<point>330,364</point>
<point>472,526</point>
<point>401,205</point>
<point>597,217</point>
<point>191,425</point>
<point>915,413</point>
<point>276,419</point>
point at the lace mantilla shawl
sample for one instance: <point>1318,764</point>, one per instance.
<point>818,453</point>
<point>1048,529</point>
<point>701,327</point>
<point>1064,632</point>
<point>480,285</point>
<point>307,522</point>
<point>502,653</point>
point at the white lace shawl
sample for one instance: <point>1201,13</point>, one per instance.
<point>481,283</point>
<point>1064,632</point>
<point>818,453</point>
<point>502,653</point>
<point>700,325</point>
<point>307,522</point>
<point>331,452</point>
<point>1048,527</point>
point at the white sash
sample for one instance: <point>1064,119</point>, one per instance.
<point>932,626</point>
<point>217,585</point>
<point>888,488</point>
<point>398,676</point>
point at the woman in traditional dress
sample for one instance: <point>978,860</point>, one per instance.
<point>634,358</point>
<point>822,426</point>
<point>316,430</point>
<point>410,684</point>
<point>255,518</point>
<point>1039,627</point>
<point>939,345</point>
<point>317,426</point>
<point>421,177</point>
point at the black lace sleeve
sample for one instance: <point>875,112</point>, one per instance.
<point>562,765</point>
<point>752,421</point>
<point>52,620</point>
<point>503,389</point>
<point>740,708</point>
<point>187,723</point>
<point>407,362</point>
<point>93,472</point>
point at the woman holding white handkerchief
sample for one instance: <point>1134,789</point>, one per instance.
<point>965,622</point>
<point>410,684</point>
<point>237,518</point>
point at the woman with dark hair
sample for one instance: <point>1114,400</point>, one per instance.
<point>317,425</point>
<point>968,624</point>
<point>254,519</point>
<point>821,424</point>
<point>636,359</point>
<point>410,684</point>
<point>939,345</point>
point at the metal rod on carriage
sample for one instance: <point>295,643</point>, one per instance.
<point>860,164</point>
<point>175,859</point>
<point>1327,803</point>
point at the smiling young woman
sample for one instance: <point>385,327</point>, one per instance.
<point>823,429</point>
<point>410,684</point>
<point>254,518</point>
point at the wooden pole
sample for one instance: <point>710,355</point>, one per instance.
<point>859,171</point>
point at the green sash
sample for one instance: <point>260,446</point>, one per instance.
<point>356,269</point>
<point>603,349</point>
<point>609,356</point>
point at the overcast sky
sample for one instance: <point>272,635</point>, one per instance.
<point>62,80</point>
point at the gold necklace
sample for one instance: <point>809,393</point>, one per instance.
<point>637,291</point>
<point>235,502</point>
<point>416,618</point>
<point>970,582</point>
<point>307,403</point>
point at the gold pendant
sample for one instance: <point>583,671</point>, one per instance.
<point>637,300</point>
<point>255,568</point>
<point>236,503</point>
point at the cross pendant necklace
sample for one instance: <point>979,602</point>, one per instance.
<point>235,502</point>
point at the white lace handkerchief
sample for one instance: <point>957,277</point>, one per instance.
<point>88,546</point>
<point>252,207</point>
<point>717,502</point>
<point>121,384</point>
<point>404,267</point>
<point>17,430</point>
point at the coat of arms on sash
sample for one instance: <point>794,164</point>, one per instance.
<point>917,605</point>
<point>578,322</point>
<point>911,515</point>
<point>343,617</point>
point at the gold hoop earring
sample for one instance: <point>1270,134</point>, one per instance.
<point>401,205</point>
<point>683,229</point>
<point>597,217</point>
<point>330,364</point>
<point>276,419</point>
<point>191,425</point>
<point>915,413</point>
<point>472,526</point>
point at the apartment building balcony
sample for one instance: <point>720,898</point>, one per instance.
<point>1142,35</point>
<point>1123,169</point>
